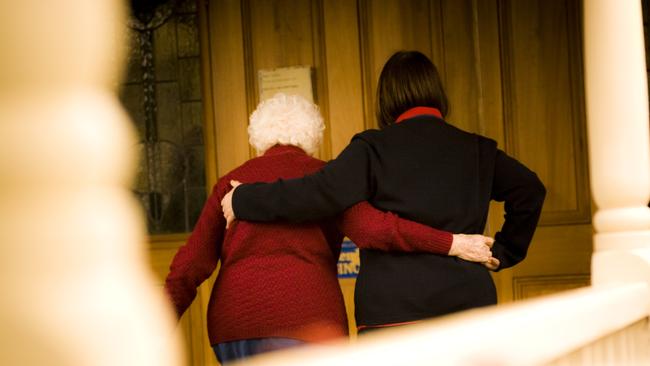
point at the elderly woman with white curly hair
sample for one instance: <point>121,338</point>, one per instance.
<point>277,285</point>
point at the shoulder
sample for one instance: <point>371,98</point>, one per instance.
<point>368,140</point>
<point>268,168</point>
<point>311,163</point>
<point>241,173</point>
<point>486,144</point>
<point>367,135</point>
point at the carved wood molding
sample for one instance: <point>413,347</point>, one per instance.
<point>525,287</point>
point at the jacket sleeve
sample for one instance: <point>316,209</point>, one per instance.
<point>523,195</point>
<point>370,228</point>
<point>197,259</point>
<point>341,183</point>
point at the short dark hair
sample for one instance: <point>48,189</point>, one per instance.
<point>409,79</point>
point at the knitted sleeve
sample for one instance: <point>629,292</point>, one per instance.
<point>197,259</point>
<point>523,194</point>
<point>370,228</point>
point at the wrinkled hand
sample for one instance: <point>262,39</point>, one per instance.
<point>226,204</point>
<point>473,247</point>
<point>492,264</point>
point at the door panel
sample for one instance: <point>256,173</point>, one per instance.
<point>544,127</point>
<point>544,116</point>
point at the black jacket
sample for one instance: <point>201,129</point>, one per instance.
<point>428,171</point>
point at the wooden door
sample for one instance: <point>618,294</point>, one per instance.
<point>544,126</point>
<point>512,70</point>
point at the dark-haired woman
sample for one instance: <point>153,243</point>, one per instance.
<point>423,169</point>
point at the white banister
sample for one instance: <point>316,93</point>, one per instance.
<point>532,332</point>
<point>619,152</point>
<point>74,279</point>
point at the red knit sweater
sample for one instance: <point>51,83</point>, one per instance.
<point>277,279</point>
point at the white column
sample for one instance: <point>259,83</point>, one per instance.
<point>75,287</point>
<point>619,154</point>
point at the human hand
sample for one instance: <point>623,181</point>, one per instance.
<point>492,264</point>
<point>472,247</point>
<point>226,204</point>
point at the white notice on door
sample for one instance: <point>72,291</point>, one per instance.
<point>288,80</point>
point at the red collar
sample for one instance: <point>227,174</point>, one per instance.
<point>419,111</point>
<point>280,149</point>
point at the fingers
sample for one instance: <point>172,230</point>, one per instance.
<point>470,248</point>
<point>229,221</point>
<point>482,240</point>
<point>226,207</point>
<point>227,210</point>
<point>492,264</point>
<point>480,246</point>
<point>226,204</point>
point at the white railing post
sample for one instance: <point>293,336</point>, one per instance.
<point>75,285</point>
<point>619,154</point>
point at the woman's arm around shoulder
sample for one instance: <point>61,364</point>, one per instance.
<point>342,182</point>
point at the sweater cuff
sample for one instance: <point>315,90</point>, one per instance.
<point>441,242</point>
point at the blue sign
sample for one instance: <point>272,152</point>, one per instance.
<point>348,265</point>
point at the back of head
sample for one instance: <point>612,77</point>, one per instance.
<point>409,79</point>
<point>286,120</point>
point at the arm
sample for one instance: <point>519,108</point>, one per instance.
<point>343,182</point>
<point>523,194</point>
<point>370,228</point>
<point>196,260</point>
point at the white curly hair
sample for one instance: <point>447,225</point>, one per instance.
<point>286,120</point>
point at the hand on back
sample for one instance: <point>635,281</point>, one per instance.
<point>226,204</point>
<point>474,248</point>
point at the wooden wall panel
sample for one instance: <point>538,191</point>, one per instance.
<point>284,33</point>
<point>543,94</point>
<point>343,65</point>
<point>559,249</point>
<point>490,96</point>
<point>281,32</point>
<point>511,69</point>
<point>463,82</point>
<point>543,124</point>
<point>228,84</point>
<point>209,133</point>
<point>470,64</point>
<point>386,27</point>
